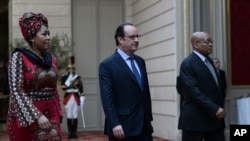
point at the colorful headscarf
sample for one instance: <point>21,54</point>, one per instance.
<point>30,23</point>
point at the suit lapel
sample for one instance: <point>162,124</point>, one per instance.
<point>199,61</point>
<point>125,67</point>
<point>216,72</point>
<point>204,67</point>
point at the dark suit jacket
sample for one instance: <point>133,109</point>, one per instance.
<point>64,79</point>
<point>202,97</point>
<point>179,89</point>
<point>124,102</point>
<point>223,79</point>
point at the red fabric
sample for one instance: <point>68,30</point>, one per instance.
<point>30,23</point>
<point>32,132</point>
<point>240,46</point>
<point>66,99</point>
<point>50,107</point>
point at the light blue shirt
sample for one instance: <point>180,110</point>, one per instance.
<point>203,58</point>
<point>126,59</point>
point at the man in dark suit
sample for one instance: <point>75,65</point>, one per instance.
<point>126,101</point>
<point>222,77</point>
<point>202,115</point>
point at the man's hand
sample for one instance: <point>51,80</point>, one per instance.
<point>118,132</point>
<point>220,113</point>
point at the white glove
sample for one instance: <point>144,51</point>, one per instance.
<point>82,99</point>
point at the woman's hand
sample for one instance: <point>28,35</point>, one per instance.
<point>44,123</point>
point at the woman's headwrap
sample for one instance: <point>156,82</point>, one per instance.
<point>30,23</point>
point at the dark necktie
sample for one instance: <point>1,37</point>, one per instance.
<point>210,67</point>
<point>135,71</point>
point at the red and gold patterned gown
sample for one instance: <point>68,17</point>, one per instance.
<point>33,93</point>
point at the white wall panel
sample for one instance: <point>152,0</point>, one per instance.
<point>42,1</point>
<point>163,93</point>
<point>58,13</point>
<point>167,126</point>
<point>159,35</point>
<point>164,63</point>
<point>152,11</point>
<point>144,4</point>
<point>164,107</point>
<point>157,22</point>
<point>163,48</point>
<point>162,78</point>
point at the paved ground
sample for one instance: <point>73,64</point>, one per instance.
<point>83,136</point>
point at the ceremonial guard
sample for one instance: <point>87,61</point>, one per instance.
<point>73,99</point>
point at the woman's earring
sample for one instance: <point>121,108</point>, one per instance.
<point>32,42</point>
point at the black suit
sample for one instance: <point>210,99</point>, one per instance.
<point>202,97</point>
<point>222,77</point>
<point>179,89</point>
<point>124,102</point>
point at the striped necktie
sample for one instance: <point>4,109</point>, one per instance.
<point>210,67</point>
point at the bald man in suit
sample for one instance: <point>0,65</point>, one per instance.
<point>202,114</point>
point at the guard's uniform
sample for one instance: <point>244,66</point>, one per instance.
<point>73,87</point>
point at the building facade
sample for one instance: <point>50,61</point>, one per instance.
<point>165,26</point>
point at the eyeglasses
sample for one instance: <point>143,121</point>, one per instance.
<point>207,42</point>
<point>133,37</point>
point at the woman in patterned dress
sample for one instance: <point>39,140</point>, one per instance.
<point>34,113</point>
